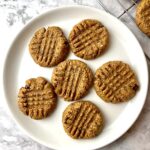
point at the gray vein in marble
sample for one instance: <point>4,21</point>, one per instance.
<point>11,138</point>
<point>18,11</point>
<point>20,14</point>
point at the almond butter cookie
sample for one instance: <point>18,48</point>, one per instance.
<point>37,99</point>
<point>82,120</point>
<point>72,79</point>
<point>88,39</point>
<point>48,47</point>
<point>115,82</point>
<point>143,16</point>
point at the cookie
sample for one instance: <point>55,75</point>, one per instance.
<point>115,82</point>
<point>37,99</point>
<point>82,120</point>
<point>88,39</point>
<point>143,16</point>
<point>48,47</point>
<point>72,79</point>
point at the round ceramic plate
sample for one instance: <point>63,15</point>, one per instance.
<point>19,66</point>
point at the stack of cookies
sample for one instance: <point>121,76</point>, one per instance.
<point>113,82</point>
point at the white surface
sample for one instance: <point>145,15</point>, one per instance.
<point>121,48</point>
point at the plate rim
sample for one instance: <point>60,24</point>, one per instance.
<point>24,28</point>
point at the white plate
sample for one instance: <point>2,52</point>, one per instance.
<point>19,66</point>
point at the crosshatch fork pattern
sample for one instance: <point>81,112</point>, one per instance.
<point>112,79</point>
<point>88,39</point>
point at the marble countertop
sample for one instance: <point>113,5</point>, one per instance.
<point>14,14</point>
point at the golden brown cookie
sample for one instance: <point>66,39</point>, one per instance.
<point>72,79</point>
<point>143,16</point>
<point>82,120</point>
<point>37,99</point>
<point>88,39</point>
<point>115,82</point>
<point>48,47</point>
